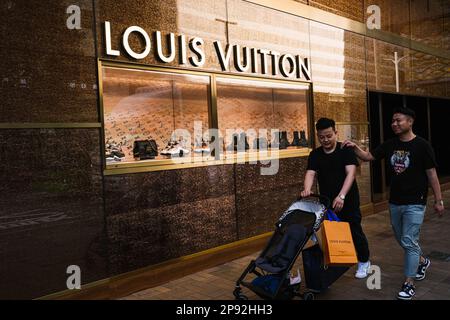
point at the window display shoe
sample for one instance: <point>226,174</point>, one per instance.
<point>260,143</point>
<point>284,143</point>
<point>243,142</point>
<point>202,147</point>
<point>296,140</point>
<point>233,145</point>
<point>303,142</point>
<point>174,149</point>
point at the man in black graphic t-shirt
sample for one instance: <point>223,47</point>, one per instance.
<point>335,168</point>
<point>412,168</point>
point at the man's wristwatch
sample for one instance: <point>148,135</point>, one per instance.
<point>342,197</point>
<point>440,202</point>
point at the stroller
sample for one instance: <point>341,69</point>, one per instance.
<point>273,266</point>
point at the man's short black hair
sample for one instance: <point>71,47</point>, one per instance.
<point>325,123</point>
<point>405,111</point>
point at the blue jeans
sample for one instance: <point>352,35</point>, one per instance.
<point>406,221</point>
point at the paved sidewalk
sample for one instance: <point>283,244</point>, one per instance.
<point>218,283</point>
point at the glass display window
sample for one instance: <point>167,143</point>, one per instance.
<point>151,115</point>
<point>256,115</point>
<point>158,117</point>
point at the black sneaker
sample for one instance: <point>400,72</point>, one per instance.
<point>408,291</point>
<point>422,269</point>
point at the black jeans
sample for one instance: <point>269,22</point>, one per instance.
<point>353,217</point>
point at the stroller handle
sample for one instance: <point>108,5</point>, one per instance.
<point>323,199</point>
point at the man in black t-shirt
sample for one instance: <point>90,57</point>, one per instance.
<point>412,168</point>
<point>335,168</point>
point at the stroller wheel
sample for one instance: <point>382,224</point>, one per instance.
<point>237,293</point>
<point>308,296</point>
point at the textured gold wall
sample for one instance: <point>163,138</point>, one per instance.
<point>338,66</point>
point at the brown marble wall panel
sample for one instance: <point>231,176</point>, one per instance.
<point>58,161</point>
<point>150,236</point>
<point>352,9</point>
<point>257,212</point>
<point>51,210</point>
<point>381,70</point>
<point>127,193</point>
<point>267,29</point>
<point>260,200</point>
<point>200,18</point>
<point>38,27</point>
<point>48,71</point>
<point>291,172</point>
<point>250,180</point>
<point>338,71</point>
<point>48,88</point>
<point>446,26</point>
<point>430,74</point>
<point>395,15</point>
<point>427,22</point>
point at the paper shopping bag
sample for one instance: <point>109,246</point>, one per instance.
<point>338,246</point>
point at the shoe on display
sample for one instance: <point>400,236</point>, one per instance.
<point>422,269</point>
<point>407,292</point>
<point>174,149</point>
<point>114,150</point>
<point>274,144</point>
<point>303,142</point>
<point>296,140</point>
<point>260,143</point>
<point>363,270</point>
<point>243,142</point>
<point>113,158</point>
<point>233,145</point>
<point>284,143</point>
<point>202,147</point>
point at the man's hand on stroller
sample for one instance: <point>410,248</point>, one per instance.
<point>338,204</point>
<point>305,193</point>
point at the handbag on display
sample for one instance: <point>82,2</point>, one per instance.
<point>145,149</point>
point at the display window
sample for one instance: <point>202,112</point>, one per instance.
<point>262,115</point>
<point>160,117</point>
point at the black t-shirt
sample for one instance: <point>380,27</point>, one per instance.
<point>408,162</point>
<point>330,169</point>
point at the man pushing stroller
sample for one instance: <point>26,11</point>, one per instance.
<point>335,168</point>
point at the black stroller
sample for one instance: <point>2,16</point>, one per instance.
<point>273,266</point>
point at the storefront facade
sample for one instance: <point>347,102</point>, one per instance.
<point>84,80</point>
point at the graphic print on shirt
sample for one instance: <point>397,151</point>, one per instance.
<point>400,161</point>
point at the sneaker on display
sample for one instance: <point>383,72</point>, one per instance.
<point>408,291</point>
<point>363,270</point>
<point>174,149</point>
<point>202,147</point>
<point>422,269</point>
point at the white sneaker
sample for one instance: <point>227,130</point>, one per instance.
<point>363,270</point>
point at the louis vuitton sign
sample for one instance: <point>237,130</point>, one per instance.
<point>190,51</point>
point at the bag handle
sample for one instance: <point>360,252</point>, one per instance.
<point>332,216</point>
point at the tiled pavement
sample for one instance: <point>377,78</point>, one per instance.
<point>218,283</point>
